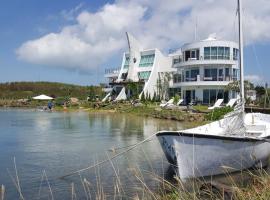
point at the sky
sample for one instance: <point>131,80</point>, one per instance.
<point>74,41</point>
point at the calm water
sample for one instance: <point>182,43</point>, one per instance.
<point>63,142</point>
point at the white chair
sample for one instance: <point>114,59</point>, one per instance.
<point>231,102</point>
<point>167,103</point>
<point>179,102</point>
<point>216,105</point>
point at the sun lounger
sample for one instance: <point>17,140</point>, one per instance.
<point>231,102</point>
<point>216,105</point>
<point>167,103</point>
<point>179,102</point>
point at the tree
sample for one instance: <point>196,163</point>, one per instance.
<point>143,97</point>
<point>163,84</point>
<point>235,86</point>
<point>260,90</point>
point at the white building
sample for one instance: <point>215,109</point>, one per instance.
<point>204,69</point>
<point>139,65</point>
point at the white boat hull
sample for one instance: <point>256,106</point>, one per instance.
<point>200,155</point>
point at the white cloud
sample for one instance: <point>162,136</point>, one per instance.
<point>254,78</point>
<point>97,36</point>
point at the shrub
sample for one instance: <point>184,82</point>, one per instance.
<point>176,99</point>
<point>218,113</point>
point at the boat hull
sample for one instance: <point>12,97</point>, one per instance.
<point>197,155</point>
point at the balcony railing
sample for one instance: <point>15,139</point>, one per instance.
<point>178,61</point>
<point>207,78</point>
<point>112,71</point>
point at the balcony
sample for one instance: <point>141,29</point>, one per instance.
<point>202,61</point>
<point>112,73</point>
<point>205,81</point>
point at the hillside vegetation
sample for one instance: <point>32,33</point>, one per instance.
<point>19,90</point>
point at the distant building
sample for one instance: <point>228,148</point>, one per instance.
<point>251,94</point>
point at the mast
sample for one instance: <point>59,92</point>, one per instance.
<point>241,54</point>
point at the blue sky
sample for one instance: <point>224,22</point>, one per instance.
<point>73,41</point>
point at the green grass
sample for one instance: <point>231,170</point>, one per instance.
<point>201,108</point>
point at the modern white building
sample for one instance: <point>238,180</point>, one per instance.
<point>200,71</point>
<point>139,65</point>
<point>204,69</point>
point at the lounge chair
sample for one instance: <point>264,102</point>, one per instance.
<point>216,105</point>
<point>179,102</point>
<point>231,102</point>
<point>170,102</point>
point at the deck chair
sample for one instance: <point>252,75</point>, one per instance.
<point>231,102</point>
<point>216,105</point>
<point>167,103</point>
<point>179,102</point>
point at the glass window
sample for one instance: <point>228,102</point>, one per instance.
<point>210,74</point>
<point>187,76</point>
<point>235,54</point>
<point>213,53</point>
<point>198,54</point>
<point>206,96</point>
<point>147,60</point>
<point>214,74</point>
<point>213,96</point>
<point>220,53</point>
<point>194,73</point>
<point>193,54</point>
<point>207,53</point>
<point>187,55</point>
<point>126,64</point>
<point>177,78</point>
<point>220,94</point>
<point>144,75</point>
<point>220,74</point>
<point>227,53</point>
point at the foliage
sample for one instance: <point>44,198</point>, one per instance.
<point>59,101</point>
<point>143,97</point>
<point>133,87</point>
<point>260,90</point>
<point>235,86</point>
<point>19,90</point>
<point>163,84</point>
<point>176,99</point>
<point>218,113</point>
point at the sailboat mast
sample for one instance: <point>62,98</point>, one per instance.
<point>241,54</point>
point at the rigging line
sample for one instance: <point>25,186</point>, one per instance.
<point>256,59</point>
<point>111,158</point>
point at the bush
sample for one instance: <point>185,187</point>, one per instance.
<point>176,99</point>
<point>218,113</point>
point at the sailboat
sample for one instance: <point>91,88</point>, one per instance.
<point>238,141</point>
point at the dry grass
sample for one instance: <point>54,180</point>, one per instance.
<point>258,186</point>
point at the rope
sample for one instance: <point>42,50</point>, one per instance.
<point>111,158</point>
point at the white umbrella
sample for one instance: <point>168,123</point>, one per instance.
<point>42,97</point>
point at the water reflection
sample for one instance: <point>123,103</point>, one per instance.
<point>62,142</point>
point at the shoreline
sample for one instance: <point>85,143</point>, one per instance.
<point>145,110</point>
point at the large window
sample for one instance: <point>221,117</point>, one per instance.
<point>147,60</point>
<point>177,60</point>
<point>191,75</point>
<point>211,96</point>
<point>214,53</point>
<point>193,54</point>
<point>234,74</point>
<point>210,74</point>
<point>144,75</point>
<point>207,53</point>
<point>177,78</point>
<point>126,64</point>
<point>235,54</point>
